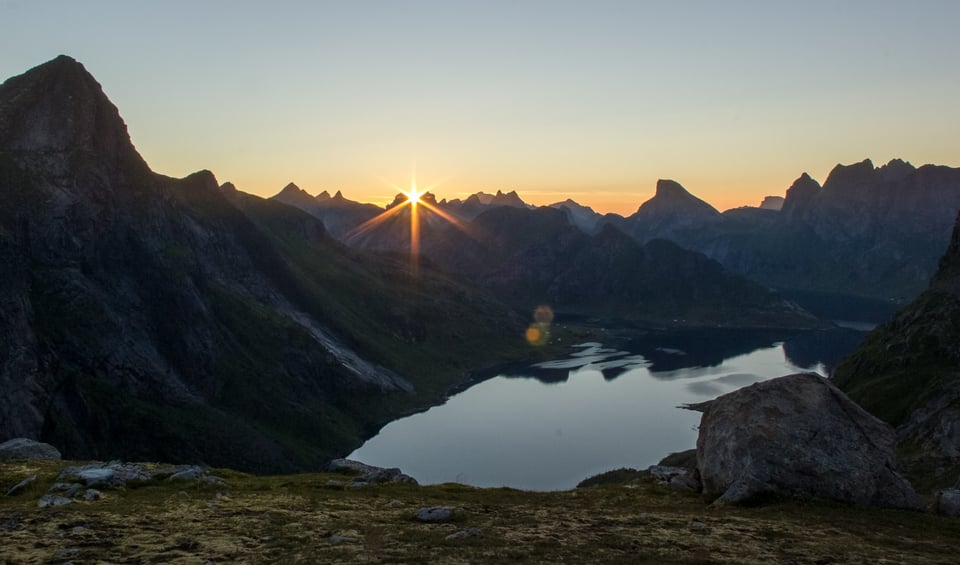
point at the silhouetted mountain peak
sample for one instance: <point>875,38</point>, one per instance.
<point>799,197</point>
<point>845,176</point>
<point>339,196</point>
<point>58,107</point>
<point>323,196</point>
<point>895,170</point>
<point>228,188</point>
<point>674,200</point>
<point>292,189</point>
<point>772,202</point>
<point>667,188</point>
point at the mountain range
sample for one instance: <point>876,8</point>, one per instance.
<point>871,232</point>
<point>173,319</point>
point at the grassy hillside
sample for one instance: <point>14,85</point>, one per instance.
<point>296,518</point>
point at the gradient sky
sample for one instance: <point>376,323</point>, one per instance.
<point>590,100</point>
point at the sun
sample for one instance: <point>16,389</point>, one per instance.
<point>413,197</point>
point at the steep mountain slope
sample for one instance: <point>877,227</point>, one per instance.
<point>531,257</point>
<point>868,231</point>
<point>146,317</point>
<point>907,372</point>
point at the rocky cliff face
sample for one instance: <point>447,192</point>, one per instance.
<point>169,319</point>
<point>907,372</point>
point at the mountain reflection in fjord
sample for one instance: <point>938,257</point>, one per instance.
<point>548,426</point>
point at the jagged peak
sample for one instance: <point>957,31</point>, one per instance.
<point>228,187</point>
<point>804,183</point>
<point>322,196</point>
<point>339,196</point>
<point>850,174</point>
<point>292,187</point>
<point>59,107</point>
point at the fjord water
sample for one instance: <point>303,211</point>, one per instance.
<point>550,425</point>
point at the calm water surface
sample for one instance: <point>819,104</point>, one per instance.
<point>550,425</point>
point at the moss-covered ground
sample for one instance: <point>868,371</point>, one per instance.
<point>295,518</point>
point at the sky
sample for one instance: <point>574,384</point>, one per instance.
<point>591,100</point>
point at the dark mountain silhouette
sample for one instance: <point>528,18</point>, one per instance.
<point>871,232</point>
<point>530,257</point>
<point>480,202</point>
<point>907,372</point>
<point>772,203</point>
<point>339,214</point>
<point>150,318</point>
<point>579,215</point>
<point>671,214</point>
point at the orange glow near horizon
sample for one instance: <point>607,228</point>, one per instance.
<point>415,202</point>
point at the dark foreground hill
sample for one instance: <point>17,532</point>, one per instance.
<point>147,317</point>
<point>907,372</point>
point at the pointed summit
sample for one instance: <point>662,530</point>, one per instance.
<point>294,196</point>
<point>322,197</point>
<point>800,197</point>
<point>58,108</point>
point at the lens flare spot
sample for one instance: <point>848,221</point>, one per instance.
<point>543,314</point>
<point>537,334</point>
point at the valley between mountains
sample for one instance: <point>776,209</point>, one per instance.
<point>239,344</point>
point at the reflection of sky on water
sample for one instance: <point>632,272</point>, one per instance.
<point>570,420</point>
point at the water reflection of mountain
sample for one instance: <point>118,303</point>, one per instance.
<point>826,347</point>
<point>666,354</point>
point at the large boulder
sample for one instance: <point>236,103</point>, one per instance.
<point>27,449</point>
<point>797,436</point>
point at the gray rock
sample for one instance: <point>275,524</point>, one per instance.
<point>17,488</point>
<point>378,475</point>
<point>462,534</point>
<point>92,495</point>
<point>435,514</point>
<point>337,538</point>
<point>27,449</point>
<point>677,477</point>
<point>947,502</point>
<point>341,465</point>
<point>67,489</point>
<point>369,474</point>
<point>93,477</point>
<point>394,504</point>
<point>798,436</point>
<point>51,500</point>
<point>214,480</point>
<point>699,526</point>
<point>68,552</point>
<point>188,474</point>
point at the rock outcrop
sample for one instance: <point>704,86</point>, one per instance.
<point>907,372</point>
<point>797,436</point>
<point>27,449</point>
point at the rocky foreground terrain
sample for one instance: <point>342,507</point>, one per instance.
<point>315,518</point>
